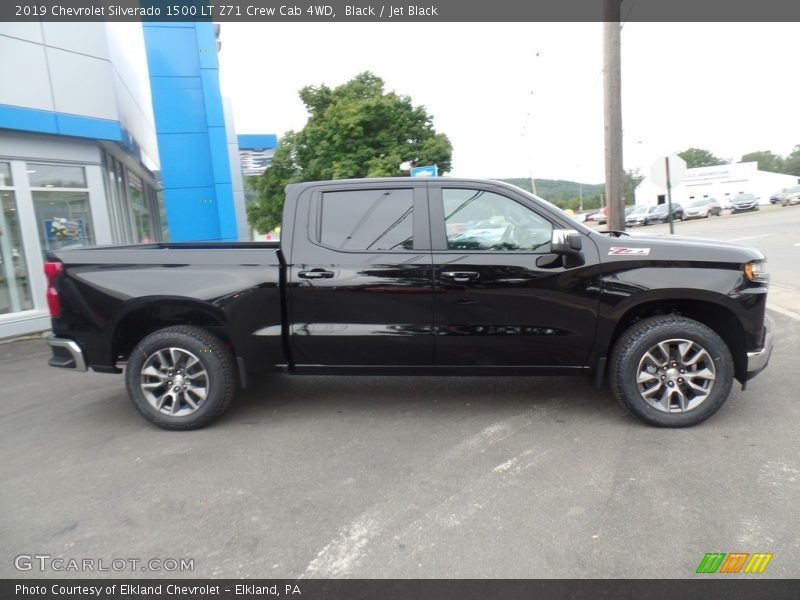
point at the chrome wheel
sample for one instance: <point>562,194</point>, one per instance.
<point>676,375</point>
<point>174,381</point>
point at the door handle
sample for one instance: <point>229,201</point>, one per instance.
<point>315,274</point>
<point>460,276</point>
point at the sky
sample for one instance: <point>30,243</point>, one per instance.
<point>522,99</point>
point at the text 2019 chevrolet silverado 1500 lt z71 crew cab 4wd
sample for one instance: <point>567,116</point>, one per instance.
<point>416,276</point>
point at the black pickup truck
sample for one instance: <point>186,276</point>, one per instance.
<point>418,277</point>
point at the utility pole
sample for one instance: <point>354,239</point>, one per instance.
<point>615,176</point>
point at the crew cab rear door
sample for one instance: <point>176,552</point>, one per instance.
<point>360,287</point>
<point>502,299</point>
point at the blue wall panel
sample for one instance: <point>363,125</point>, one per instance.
<point>185,160</point>
<point>171,51</point>
<point>213,97</point>
<point>227,218</point>
<point>253,141</point>
<point>219,161</point>
<point>43,121</point>
<point>101,129</point>
<point>181,104</point>
<point>192,214</point>
<point>28,119</point>
<point>192,140</point>
<point>207,45</point>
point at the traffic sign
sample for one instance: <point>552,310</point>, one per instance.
<point>427,171</point>
<point>673,164</point>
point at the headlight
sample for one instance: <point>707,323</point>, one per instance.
<point>754,271</point>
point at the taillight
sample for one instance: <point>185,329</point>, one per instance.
<point>53,270</point>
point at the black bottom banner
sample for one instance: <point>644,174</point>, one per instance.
<point>398,589</point>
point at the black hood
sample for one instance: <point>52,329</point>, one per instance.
<point>673,247</point>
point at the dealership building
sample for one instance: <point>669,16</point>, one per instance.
<point>111,133</point>
<point>720,182</point>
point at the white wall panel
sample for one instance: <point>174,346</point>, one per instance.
<point>46,147</point>
<point>83,38</point>
<point>82,85</point>
<point>29,65</point>
<point>136,122</point>
<point>128,56</point>
<point>26,31</point>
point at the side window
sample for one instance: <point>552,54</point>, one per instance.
<point>378,220</point>
<point>479,220</point>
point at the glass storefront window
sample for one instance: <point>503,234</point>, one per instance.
<point>56,176</point>
<point>5,175</point>
<point>141,212</point>
<point>63,216</point>
<point>15,292</point>
<point>64,219</point>
<point>162,216</point>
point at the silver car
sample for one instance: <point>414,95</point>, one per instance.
<point>743,202</point>
<point>638,216</point>
<point>791,196</point>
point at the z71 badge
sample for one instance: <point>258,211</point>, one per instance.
<point>615,251</point>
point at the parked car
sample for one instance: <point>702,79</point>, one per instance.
<point>600,217</point>
<point>744,202</point>
<point>702,208</point>
<point>400,276</point>
<point>638,216</point>
<point>776,197</point>
<point>661,215</point>
<point>791,196</point>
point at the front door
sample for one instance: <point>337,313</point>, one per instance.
<point>501,298</point>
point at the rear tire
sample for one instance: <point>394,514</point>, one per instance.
<point>671,371</point>
<point>181,377</point>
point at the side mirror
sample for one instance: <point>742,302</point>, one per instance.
<point>565,241</point>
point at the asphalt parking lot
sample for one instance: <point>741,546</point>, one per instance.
<point>408,477</point>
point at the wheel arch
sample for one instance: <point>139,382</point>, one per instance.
<point>147,315</point>
<point>721,319</point>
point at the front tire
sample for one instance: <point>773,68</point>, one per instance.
<point>180,377</point>
<point>670,371</point>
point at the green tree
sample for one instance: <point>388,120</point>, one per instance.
<point>354,130</point>
<point>791,164</point>
<point>697,157</point>
<point>767,161</point>
<point>633,177</point>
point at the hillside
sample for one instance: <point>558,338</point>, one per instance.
<point>558,189</point>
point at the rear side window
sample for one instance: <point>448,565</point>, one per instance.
<point>376,220</point>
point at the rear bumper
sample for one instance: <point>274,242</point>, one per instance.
<point>758,359</point>
<point>66,354</point>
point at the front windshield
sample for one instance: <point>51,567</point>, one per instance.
<point>697,203</point>
<point>639,210</point>
<point>660,208</point>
